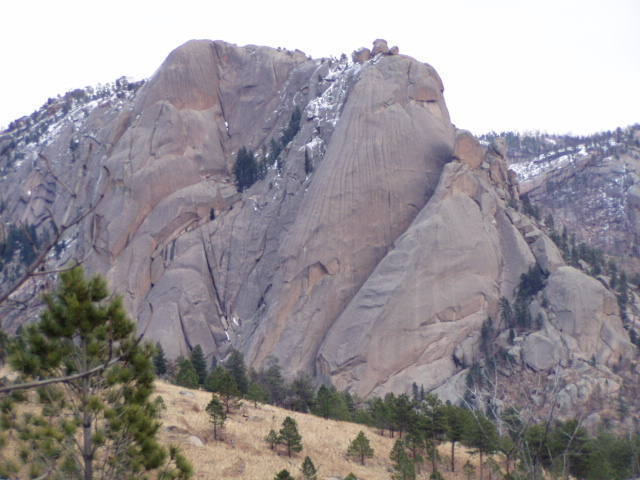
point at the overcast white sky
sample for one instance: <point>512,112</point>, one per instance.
<point>550,65</point>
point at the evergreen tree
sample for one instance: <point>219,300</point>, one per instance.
<point>415,442</point>
<point>289,436</point>
<point>456,419</point>
<point>308,165</point>
<point>272,381</point>
<point>102,409</point>
<point>187,376</point>
<point>276,149</point>
<point>4,345</point>
<point>159,360</point>
<point>293,127</point>
<point>360,448</point>
<point>403,414</point>
<point>272,439</point>
<point>257,394</point>
<point>283,475</point>
<point>380,414</point>
<point>245,169</point>
<point>351,476</point>
<point>469,470</point>
<point>403,467</point>
<point>482,435</point>
<point>434,426</point>
<point>217,415</point>
<point>222,382</point>
<point>309,471</point>
<point>302,398</point>
<point>324,402</point>
<point>199,363</point>
<point>235,365</point>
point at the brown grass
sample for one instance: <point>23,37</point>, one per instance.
<point>243,453</point>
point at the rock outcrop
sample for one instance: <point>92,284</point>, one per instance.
<point>370,253</point>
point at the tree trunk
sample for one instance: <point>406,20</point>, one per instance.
<point>87,445</point>
<point>453,452</point>
<point>434,458</point>
<point>87,448</point>
<point>481,470</point>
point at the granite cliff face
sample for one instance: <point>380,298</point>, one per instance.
<point>370,254</point>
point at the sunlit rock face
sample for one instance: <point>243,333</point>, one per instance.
<point>374,246</point>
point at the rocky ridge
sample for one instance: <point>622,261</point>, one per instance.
<point>370,255</point>
<point>588,184</point>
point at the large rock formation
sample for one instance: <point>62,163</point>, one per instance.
<point>370,254</point>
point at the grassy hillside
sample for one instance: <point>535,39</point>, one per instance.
<point>245,455</point>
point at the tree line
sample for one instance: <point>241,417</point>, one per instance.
<point>90,380</point>
<point>420,422</point>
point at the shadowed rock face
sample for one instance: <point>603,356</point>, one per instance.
<point>369,255</point>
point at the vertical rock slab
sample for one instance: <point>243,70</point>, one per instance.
<point>429,294</point>
<point>382,164</point>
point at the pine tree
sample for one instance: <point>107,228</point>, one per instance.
<point>245,169</point>
<point>4,344</point>
<point>199,363</point>
<point>271,379</point>
<point>102,409</point>
<point>302,395</point>
<point>235,365</point>
<point>257,394</point>
<point>403,467</point>
<point>468,469</point>
<point>360,447</point>
<point>272,439</point>
<point>482,435</point>
<point>351,476</point>
<point>434,426</point>
<point>403,413</point>
<point>309,470</point>
<point>187,376</point>
<point>217,415</point>
<point>293,127</point>
<point>456,419</point>
<point>222,382</point>
<point>159,360</point>
<point>289,436</point>
<point>283,475</point>
<point>380,413</point>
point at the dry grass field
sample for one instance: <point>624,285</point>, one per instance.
<point>243,453</point>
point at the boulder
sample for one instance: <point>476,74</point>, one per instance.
<point>468,150</point>
<point>379,46</point>
<point>540,352</point>
<point>361,55</point>
<point>195,441</point>
<point>547,255</point>
<point>586,315</point>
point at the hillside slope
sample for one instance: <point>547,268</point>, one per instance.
<point>244,454</point>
